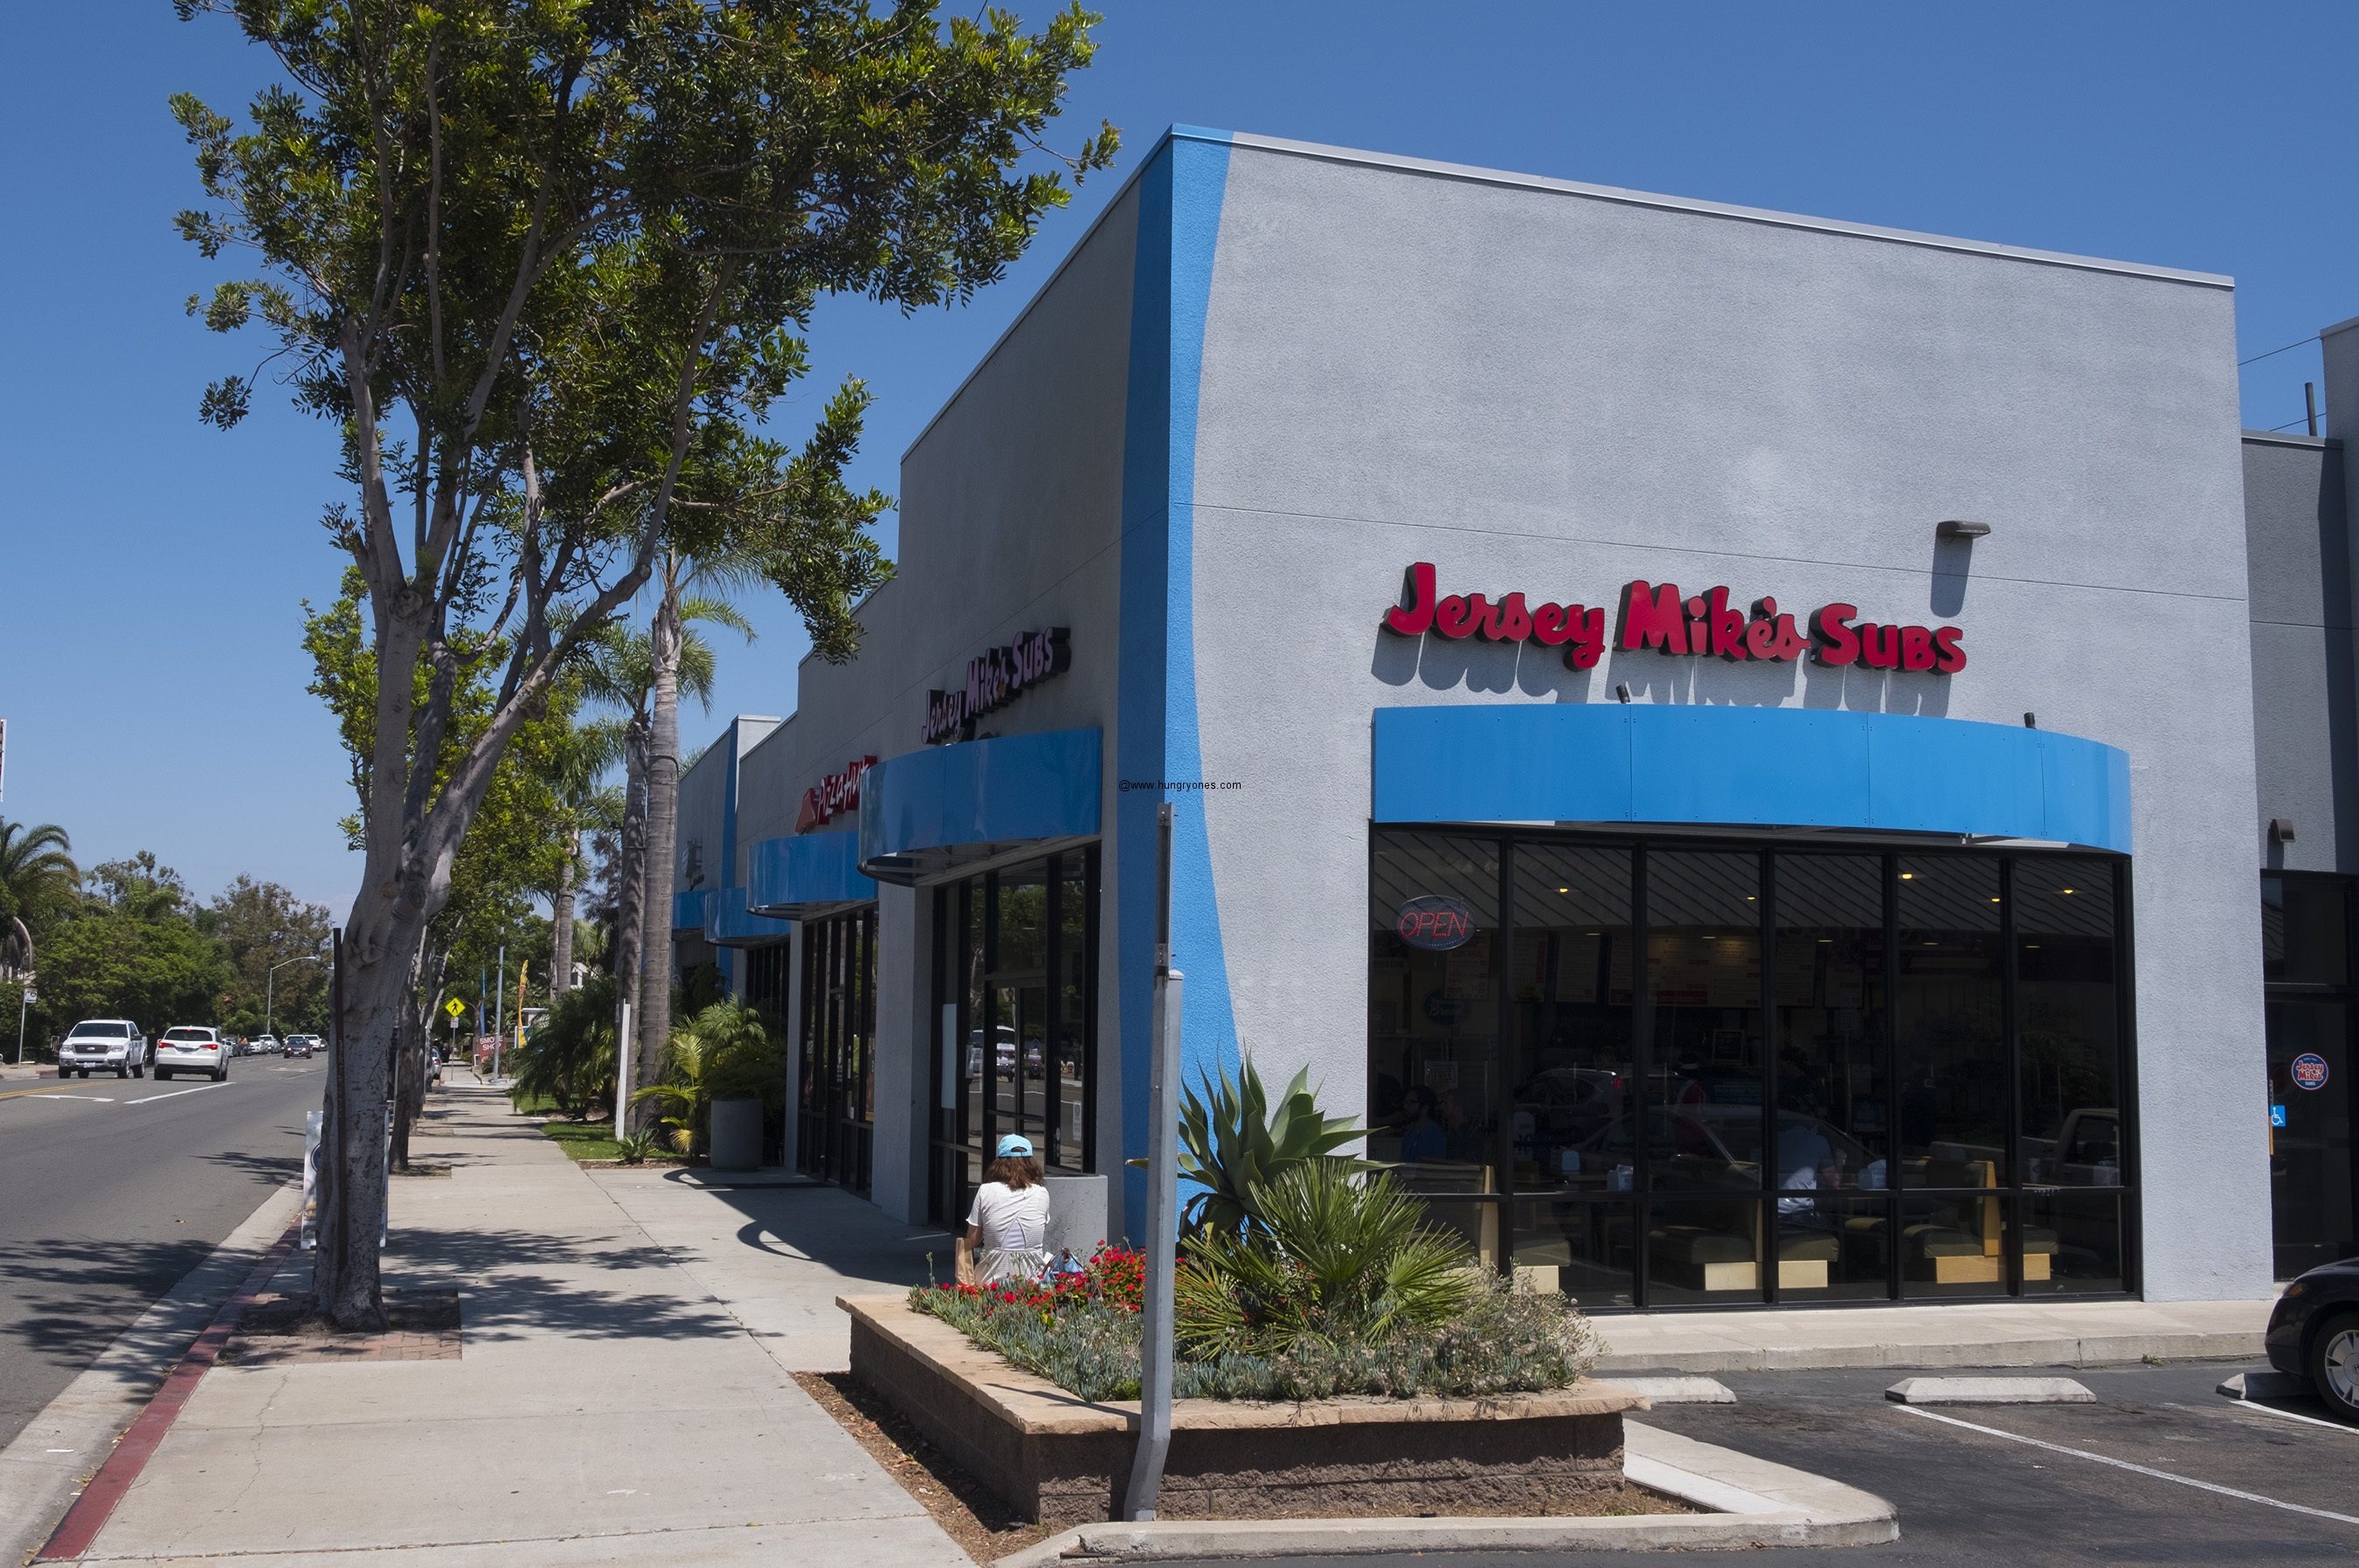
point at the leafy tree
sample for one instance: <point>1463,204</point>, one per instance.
<point>37,880</point>
<point>261,926</point>
<point>562,245</point>
<point>135,953</point>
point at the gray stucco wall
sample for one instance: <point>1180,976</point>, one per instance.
<point>2299,545</point>
<point>768,795</point>
<point>1556,391</point>
<point>1010,514</point>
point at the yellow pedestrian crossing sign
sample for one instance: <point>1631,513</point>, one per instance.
<point>454,1007</point>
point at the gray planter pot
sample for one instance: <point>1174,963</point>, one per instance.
<point>736,1134</point>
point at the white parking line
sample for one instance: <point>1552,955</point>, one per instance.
<point>2244,1405</point>
<point>176,1094</point>
<point>2125,1465</point>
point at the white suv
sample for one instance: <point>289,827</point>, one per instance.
<point>114,1044</point>
<point>192,1050</point>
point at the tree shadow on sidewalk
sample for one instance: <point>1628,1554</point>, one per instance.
<point>520,1284</point>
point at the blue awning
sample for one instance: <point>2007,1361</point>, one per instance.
<point>805,876</point>
<point>728,924</point>
<point>926,813</point>
<point>688,909</point>
<point>1785,767</point>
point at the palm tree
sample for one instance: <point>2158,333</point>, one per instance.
<point>578,762</point>
<point>621,673</point>
<point>36,868</point>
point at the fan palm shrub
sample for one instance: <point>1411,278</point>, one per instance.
<point>725,1051</point>
<point>1333,1258</point>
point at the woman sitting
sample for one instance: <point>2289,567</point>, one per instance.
<point>1008,1226</point>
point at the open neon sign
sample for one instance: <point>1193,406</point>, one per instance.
<point>1662,617</point>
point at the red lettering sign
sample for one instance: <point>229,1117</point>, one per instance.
<point>833,795</point>
<point>993,681</point>
<point>1660,617</point>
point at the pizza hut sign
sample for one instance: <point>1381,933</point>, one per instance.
<point>1662,617</point>
<point>833,795</point>
<point>993,680</point>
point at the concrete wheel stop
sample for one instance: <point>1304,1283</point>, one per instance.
<point>1989,1391</point>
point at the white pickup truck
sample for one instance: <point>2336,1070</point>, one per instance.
<point>109,1044</point>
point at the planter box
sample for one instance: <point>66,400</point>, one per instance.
<point>1063,1461</point>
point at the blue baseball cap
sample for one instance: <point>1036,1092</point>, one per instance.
<point>1015,1143</point>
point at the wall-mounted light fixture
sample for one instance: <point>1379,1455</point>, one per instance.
<point>2280,829</point>
<point>1623,691</point>
<point>1959,528</point>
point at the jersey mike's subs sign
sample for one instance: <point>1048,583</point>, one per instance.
<point>1660,617</point>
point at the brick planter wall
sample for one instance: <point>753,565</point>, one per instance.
<point>1064,1461</point>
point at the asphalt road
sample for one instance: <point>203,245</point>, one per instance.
<point>1969,1496</point>
<point>113,1189</point>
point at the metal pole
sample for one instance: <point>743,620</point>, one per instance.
<point>24,1000</point>
<point>499,1013</point>
<point>622,1071</point>
<point>1162,1204</point>
<point>2310,401</point>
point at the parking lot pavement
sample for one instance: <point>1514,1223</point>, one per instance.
<point>1969,1496</point>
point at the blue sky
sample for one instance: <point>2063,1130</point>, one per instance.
<point>154,569</point>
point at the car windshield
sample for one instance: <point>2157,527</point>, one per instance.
<point>190,1034</point>
<point>106,1031</point>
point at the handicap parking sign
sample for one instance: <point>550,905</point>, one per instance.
<point>2277,1116</point>
<point>2308,1071</point>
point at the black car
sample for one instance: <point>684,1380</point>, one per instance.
<point>2314,1333</point>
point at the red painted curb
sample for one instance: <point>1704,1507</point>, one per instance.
<point>114,1478</point>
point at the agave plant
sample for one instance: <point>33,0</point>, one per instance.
<point>1237,1143</point>
<point>1333,1258</point>
<point>637,1149</point>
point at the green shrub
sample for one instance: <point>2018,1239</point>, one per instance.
<point>724,1052</point>
<point>1334,1259</point>
<point>1235,1143</point>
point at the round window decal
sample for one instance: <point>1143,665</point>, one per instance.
<point>1435,922</point>
<point>2309,1071</point>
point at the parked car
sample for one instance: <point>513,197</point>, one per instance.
<point>114,1044</point>
<point>265,1045</point>
<point>2314,1333</point>
<point>191,1049</point>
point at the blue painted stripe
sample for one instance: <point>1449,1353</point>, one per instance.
<point>1180,197</point>
<point>1753,766</point>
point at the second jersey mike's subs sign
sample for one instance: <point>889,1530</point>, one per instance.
<point>1658,616</point>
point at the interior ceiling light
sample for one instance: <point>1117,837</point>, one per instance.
<point>2064,889</point>
<point>1907,876</point>
<point>1564,890</point>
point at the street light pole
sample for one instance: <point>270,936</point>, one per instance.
<point>270,988</point>
<point>24,1000</point>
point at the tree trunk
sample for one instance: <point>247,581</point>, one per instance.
<point>380,941</point>
<point>663,834</point>
<point>631,895</point>
<point>561,924</point>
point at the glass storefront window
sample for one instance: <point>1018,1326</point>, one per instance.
<point>2311,1174</point>
<point>1659,1073</point>
<point>1572,1070</point>
<point>1016,995</point>
<point>2303,936</point>
<point>1949,1017</point>
<point>837,1126</point>
<point>1434,1005</point>
<point>2070,1017</point>
<point>1703,975</point>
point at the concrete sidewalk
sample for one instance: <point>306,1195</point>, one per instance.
<point>608,1406</point>
<point>2046,1332</point>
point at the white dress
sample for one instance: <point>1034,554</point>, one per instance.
<point>1013,1225</point>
